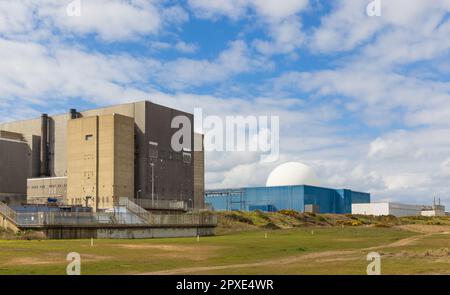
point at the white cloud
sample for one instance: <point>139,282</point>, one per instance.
<point>345,27</point>
<point>409,162</point>
<point>108,19</point>
<point>274,9</point>
<point>348,26</point>
<point>184,72</point>
<point>186,47</point>
<point>286,36</point>
<point>279,16</point>
<point>381,98</point>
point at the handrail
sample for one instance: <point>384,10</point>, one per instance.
<point>139,216</point>
<point>9,213</point>
<point>136,209</point>
<point>161,204</point>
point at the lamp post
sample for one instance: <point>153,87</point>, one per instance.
<point>153,183</point>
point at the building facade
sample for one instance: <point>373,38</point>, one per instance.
<point>159,171</point>
<point>100,160</point>
<point>397,209</point>
<point>297,197</point>
<point>199,171</point>
<point>40,190</point>
<point>15,158</point>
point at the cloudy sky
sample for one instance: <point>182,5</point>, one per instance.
<point>365,101</point>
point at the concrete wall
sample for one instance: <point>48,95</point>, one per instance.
<point>376,209</point>
<point>11,135</point>
<point>383,209</point>
<point>40,189</point>
<point>82,161</point>
<point>123,157</point>
<point>173,178</point>
<point>433,213</point>
<point>100,160</point>
<point>400,210</point>
<point>15,160</point>
<point>199,171</point>
<point>127,233</point>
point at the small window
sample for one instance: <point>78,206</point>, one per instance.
<point>187,158</point>
<point>89,137</point>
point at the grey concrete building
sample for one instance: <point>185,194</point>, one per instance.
<point>15,159</point>
<point>39,190</point>
<point>159,170</point>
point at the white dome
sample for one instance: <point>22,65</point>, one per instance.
<point>292,173</point>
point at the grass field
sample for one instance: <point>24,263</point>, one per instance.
<point>414,249</point>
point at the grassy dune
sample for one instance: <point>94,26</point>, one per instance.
<point>252,243</point>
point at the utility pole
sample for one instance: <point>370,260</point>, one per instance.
<point>153,183</point>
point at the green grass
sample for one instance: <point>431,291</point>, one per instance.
<point>138,256</point>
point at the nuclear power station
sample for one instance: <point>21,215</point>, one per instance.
<point>118,151</point>
<point>291,186</point>
<point>103,161</point>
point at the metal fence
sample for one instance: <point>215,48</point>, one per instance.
<point>7,212</point>
<point>126,213</point>
<point>162,204</point>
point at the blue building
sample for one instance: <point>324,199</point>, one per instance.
<point>302,198</point>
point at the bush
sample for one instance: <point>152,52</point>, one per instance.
<point>382,225</point>
<point>349,222</point>
<point>321,218</point>
<point>291,213</point>
<point>239,218</point>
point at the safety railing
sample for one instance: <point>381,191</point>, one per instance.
<point>9,213</point>
<point>133,215</point>
<point>161,204</point>
<point>134,208</point>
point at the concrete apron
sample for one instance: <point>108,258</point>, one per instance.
<point>126,233</point>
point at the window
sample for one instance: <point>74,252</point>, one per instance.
<point>89,137</point>
<point>187,158</point>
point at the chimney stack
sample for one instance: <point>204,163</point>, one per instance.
<point>44,145</point>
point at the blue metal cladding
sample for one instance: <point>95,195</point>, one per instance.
<point>265,208</point>
<point>291,197</point>
<point>325,198</point>
<point>280,197</point>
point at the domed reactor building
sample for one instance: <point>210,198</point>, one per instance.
<point>292,186</point>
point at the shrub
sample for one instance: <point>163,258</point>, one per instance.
<point>291,213</point>
<point>349,222</point>
<point>239,218</point>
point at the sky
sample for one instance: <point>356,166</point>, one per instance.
<point>364,100</point>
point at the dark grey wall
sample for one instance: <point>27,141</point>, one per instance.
<point>15,158</point>
<point>174,179</point>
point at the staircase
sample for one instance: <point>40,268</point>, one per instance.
<point>126,212</point>
<point>135,209</point>
<point>8,213</point>
<point>8,218</point>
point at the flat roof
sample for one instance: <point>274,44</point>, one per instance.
<point>220,190</point>
<point>12,140</point>
<point>42,178</point>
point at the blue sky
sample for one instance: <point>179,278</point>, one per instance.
<point>364,101</point>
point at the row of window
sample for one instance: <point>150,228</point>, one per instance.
<point>78,201</point>
<point>44,186</point>
<point>186,157</point>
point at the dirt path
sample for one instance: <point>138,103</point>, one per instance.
<point>282,261</point>
<point>292,259</point>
